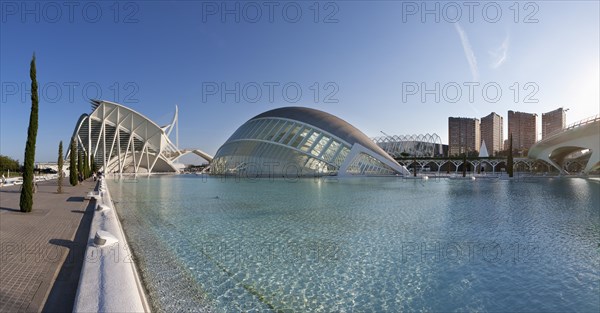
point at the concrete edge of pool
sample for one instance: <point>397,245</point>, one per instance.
<point>109,280</point>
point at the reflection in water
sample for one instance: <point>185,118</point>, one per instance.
<point>375,244</point>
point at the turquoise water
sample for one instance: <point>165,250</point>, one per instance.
<point>364,244</point>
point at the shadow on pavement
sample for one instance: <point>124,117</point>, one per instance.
<point>9,209</point>
<point>62,294</point>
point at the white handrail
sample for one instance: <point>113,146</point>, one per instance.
<point>579,123</point>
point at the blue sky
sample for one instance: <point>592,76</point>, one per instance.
<point>369,61</point>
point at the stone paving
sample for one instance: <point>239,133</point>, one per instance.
<point>39,250</point>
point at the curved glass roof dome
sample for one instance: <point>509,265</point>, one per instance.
<point>298,141</point>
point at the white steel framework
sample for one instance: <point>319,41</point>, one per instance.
<point>122,140</point>
<point>421,145</point>
<point>296,141</point>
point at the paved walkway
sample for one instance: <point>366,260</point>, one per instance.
<point>41,252</point>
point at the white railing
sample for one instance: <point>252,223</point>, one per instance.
<point>582,122</point>
<point>579,123</point>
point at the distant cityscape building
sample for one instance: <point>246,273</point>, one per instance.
<point>523,128</point>
<point>553,121</point>
<point>463,135</point>
<point>427,145</point>
<point>491,133</point>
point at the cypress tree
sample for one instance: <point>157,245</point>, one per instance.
<point>60,167</point>
<point>80,163</point>
<point>93,166</point>
<point>509,159</point>
<point>86,166</point>
<point>26,200</point>
<point>73,163</point>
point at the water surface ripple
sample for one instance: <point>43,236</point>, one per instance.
<point>364,244</point>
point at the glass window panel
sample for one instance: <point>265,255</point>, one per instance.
<point>317,165</point>
<point>315,141</point>
<point>307,162</point>
<point>291,134</point>
<point>311,163</point>
<point>237,133</point>
<point>284,130</point>
<point>298,140</point>
<point>277,130</point>
<point>365,167</point>
<point>268,151</point>
<point>341,156</point>
<point>290,128</point>
<point>265,129</point>
<point>326,147</point>
<point>331,151</point>
<point>251,129</point>
<point>257,128</point>
<point>302,159</point>
<point>318,148</point>
<point>310,141</point>
<point>275,153</point>
<point>272,130</point>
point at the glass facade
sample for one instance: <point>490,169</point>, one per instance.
<point>279,147</point>
<point>365,164</point>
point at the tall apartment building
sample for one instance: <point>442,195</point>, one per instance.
<point>553,121</point>
<point>523,128</point>
<point>463,135</point>
<point>491,133</point>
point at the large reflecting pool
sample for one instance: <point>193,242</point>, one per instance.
<point>364,244</point>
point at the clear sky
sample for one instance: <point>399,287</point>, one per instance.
<point>366,62</point>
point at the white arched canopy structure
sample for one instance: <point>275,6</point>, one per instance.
<point>122,140</point>
<point>421,145</point>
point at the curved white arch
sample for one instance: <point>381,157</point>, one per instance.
<point>123,140</point>
<point>197,152</point>
<point>556,148</point>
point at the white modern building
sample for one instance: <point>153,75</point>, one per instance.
<point>122,140</point>
<point>298,141</point>
<point>419,145</point>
